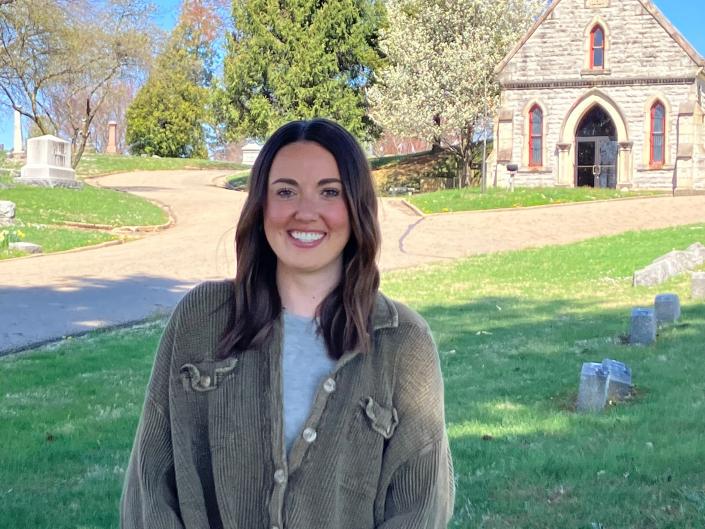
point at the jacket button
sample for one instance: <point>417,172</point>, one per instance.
<point>280,476</point>
<point>329,385</point>
<point>309,435</point>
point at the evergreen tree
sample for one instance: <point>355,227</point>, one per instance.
<point>168,115</point>
<point>300,59</point>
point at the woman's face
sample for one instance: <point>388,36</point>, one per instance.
<point>306,218</point>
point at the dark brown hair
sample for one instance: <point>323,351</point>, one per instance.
<point>345,315</point>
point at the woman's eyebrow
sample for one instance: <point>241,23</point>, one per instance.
<point>289,181</point>
<point>326,181</point>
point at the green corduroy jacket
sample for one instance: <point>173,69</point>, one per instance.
<point>209,451</point>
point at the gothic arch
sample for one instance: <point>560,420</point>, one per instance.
<point>597,21</point>
<point>566,145</point>
<point>583,105</point>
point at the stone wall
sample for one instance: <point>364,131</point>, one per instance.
<point>636,45</point>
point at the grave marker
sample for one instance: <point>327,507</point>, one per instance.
<point>643,327</point>
<point>667,308</point>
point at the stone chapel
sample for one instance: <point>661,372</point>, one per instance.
<point>601,93</point>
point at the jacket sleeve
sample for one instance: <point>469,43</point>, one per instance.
<point>149,499</point>
<point>417,488</point>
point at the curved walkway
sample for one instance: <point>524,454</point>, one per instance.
<point>47,297</point>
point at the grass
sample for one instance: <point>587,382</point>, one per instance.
<point>100,164</point>
<point>41,211</point>
<point>87,205</point>
<point>512,330</point>
<point>54,239</point>
<point>469,199</point>
<point>239,180</point>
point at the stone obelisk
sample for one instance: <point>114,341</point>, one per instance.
<point>17,148</point>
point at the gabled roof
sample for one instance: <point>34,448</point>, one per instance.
<point>648,5</point>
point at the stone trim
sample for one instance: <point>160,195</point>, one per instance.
<point>589,83</point>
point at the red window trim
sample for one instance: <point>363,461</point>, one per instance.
<point>592,48</point>
<point>653,134</point>
<point>532,162</point>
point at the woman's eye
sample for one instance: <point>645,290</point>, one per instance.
<point>331,192</point>
<point>284,192</point>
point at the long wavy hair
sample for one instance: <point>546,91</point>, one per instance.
<point>345,315</point>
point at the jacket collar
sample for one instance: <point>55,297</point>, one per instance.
<point>384,314</point>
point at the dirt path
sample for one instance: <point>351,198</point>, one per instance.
<point>51,296</point>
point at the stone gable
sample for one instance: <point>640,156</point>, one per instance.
<point>637,45</point>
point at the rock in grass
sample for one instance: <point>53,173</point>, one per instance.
<point>667,308</point>
<point>26,247</point>
<point>7,213</point>
<point>643,327</point>
<point>592,394</point>
<point>697,286</point>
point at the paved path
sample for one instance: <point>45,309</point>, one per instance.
<point>43,298</point>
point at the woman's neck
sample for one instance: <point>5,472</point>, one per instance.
<point>301,294</point>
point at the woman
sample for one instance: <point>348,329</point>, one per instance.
<point>296,396</point>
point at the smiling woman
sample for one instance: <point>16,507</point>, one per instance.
<point>296,395</point>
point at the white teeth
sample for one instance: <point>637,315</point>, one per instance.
<point>306,236</point>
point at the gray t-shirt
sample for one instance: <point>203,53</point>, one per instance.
<point>305,364</point>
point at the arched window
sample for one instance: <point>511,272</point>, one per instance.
<point>658,134</point>
<point>597,48</point>
<point>535,136</point>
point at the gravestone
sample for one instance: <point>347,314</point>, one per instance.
<point>669,265</point>
<point>697,285</point>
<point>643,327</point>
<point>7,213</point>
<point>667,308</point>
<point>48,163</point>
<point>250,151</point>
<point>601,383</point>
<point>592,394</point>
<point>619,379</point>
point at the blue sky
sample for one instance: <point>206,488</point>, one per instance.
<point>686,15</point>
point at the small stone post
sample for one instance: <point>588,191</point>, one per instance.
<point>668,308</point>
<point>697,286</point>
<point>111,148</point>
<point>643,327</point>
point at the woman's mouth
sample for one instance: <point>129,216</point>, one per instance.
<point>306,238</point>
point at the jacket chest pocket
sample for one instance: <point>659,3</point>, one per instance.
<point>206,376</point>
<point>371,425</point>
<point>204,393</point>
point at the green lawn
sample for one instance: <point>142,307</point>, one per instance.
<point>41,210</point>
<point>54,239</point>
<point>469,199</point>
<point>99,164</point>
<point>512,330</point>
<point>239,180</point>
<point>88,205</point>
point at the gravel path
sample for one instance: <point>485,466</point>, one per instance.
<point>47,297</point>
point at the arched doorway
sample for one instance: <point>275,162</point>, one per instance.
<point>596,150</point>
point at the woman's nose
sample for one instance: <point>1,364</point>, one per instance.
<point>306,209</point>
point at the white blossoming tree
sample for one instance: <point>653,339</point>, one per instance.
<point>440,83</point>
